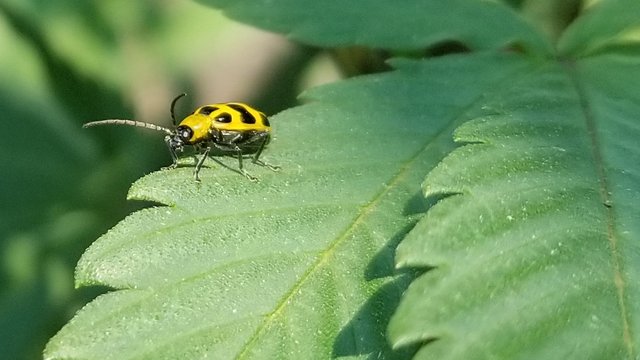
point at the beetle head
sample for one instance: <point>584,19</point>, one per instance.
<point>180,137</point>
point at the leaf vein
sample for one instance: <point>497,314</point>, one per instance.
<point>604,187</point>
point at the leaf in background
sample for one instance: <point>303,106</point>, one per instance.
<point>56,197</point>
<point>300,264</point>
<point>536,250</point>
<point>399,25</point>
<point>44,158</point>
<point>594,31</point>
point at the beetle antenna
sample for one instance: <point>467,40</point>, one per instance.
<point>130,123</point>
<point>173,107</point>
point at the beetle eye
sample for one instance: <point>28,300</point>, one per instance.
<point>185,133</point>
<point>206,110</point>
<point>224,118</point>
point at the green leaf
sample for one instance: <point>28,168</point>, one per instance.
<point>531,239</point>
<point>299,265</point>
<point>401,24</point>
<point>60,66</point>
<point>608,25</point>
<point>535,244</point>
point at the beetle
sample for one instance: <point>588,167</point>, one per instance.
<point>231,128</point>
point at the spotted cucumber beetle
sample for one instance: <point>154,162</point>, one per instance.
<point>233,128</point>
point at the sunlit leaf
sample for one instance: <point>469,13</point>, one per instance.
<point>300,263</point>
<point>528,251</point>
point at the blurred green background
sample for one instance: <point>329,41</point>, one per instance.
<point>66,62</point>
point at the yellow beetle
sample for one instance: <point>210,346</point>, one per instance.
<point>230,128</point>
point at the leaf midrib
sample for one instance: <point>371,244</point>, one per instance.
<point>569,67</point>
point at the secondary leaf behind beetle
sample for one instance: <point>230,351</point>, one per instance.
<point>398,25</point>
<point>300,264</point>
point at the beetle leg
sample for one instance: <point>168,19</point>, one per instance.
<point>196,171</point>
<point>242,170</point>
<point>238,151</point>
<point>265,139</point>
<point>172,151</point>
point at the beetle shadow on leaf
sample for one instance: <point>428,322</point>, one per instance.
<point>365,333</point>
